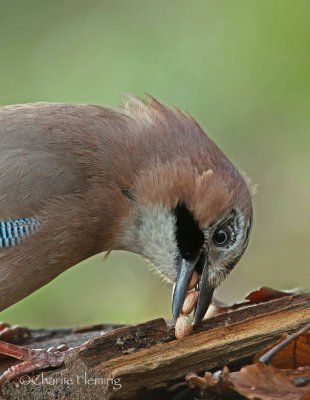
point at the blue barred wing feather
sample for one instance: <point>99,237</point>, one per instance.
<point>13,231</point>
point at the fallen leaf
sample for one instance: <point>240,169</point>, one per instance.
<point>294,355</point>
<point>254,382</point>
<point>266,294</point>
<point>264,382</point>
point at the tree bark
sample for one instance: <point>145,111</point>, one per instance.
<point>133,362</point>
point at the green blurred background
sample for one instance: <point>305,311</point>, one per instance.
<point>241,67</point>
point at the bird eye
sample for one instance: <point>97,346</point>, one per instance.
<point>221,237</point>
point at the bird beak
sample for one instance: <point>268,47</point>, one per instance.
<point>186,269</point>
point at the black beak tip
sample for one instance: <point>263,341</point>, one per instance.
<point>176,305</point>
<point>204,300</point>
<point>186,270</point>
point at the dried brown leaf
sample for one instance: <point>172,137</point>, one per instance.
<point>255,382</point>
<point>266,294</point>
<point>264,382</point>
<point>294,355</point>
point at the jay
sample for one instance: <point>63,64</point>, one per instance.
<point>77,180</point>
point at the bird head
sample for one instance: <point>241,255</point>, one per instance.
<point>190,208</point>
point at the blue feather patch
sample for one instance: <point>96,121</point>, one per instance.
<point>13,230</point>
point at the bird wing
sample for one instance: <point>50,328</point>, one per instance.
<point>35,161</point>
<point>29,178</point>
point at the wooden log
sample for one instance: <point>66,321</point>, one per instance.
<point>133,361</point>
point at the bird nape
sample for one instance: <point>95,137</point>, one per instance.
<point>77,180</point>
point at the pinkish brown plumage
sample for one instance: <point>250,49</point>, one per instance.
<point>144,178</point>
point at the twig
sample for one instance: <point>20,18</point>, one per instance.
<point>266,358</point>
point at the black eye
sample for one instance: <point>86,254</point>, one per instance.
<point>221,237</point>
